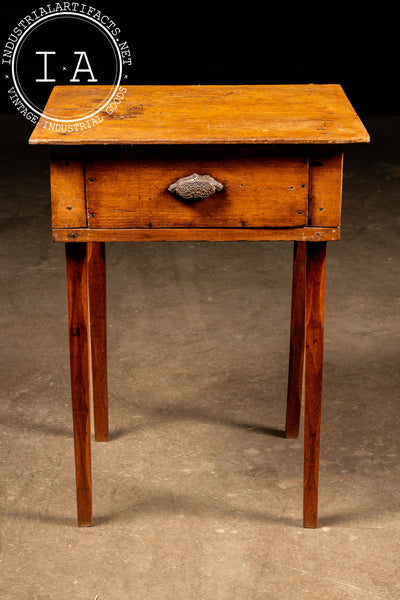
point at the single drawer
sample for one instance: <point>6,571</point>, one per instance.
<point>262,187</point>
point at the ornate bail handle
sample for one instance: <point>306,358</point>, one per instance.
<point>195,186</point>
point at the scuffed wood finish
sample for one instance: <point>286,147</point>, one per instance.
<point>68,202</point>
<point>315,306</point>
<point>203,114</point>
<point>297,336</point>
<point>325,186</point>
<point>198,235</point>
<point>129,188</point>
<point>277,150</point>
<point>80,382</point>
<point>98,336</point>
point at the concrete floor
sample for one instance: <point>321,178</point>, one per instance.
<point>198,495</point>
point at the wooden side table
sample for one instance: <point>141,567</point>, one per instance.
<point>184,163</point>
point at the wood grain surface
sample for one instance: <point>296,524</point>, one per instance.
<point>200,234</point>
<point>325,186</point>
<point>98,337</point>
<point>315,310</point>
<point>201,114</point>
<point>68,203</point>
<point>76,260</point>
<point>297,340</point>
<point>129,188</point>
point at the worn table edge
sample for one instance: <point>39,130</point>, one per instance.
<point>280,141</point>
<point>197,234</point>
<point>359,136</point>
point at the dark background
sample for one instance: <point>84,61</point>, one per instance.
<point>212,43</point>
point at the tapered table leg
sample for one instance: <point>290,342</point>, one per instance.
<point>297,336</point>
<point>80,382</point>
<point>315,300</point>
<point>97,315</point>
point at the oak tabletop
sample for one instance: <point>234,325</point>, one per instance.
<point>201,114</point>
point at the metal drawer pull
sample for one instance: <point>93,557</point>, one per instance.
<point>195,186</point>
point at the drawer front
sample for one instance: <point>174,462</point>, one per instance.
<point>128,188</point>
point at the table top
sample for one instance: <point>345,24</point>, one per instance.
<point>204,114</point>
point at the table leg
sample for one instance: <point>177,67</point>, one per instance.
<point>297,336</point>
<point>97,315</point>
<point>80,382</point>
<point>315,299</point>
